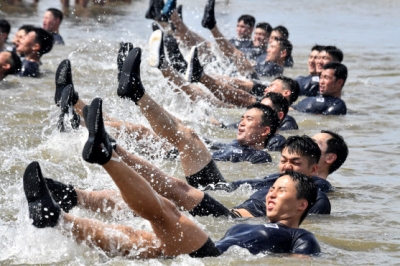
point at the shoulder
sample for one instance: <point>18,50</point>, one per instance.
<point>288,123</point>
<point>335,106</point>
<point>276,142</point>
<point>304,242</point>
<point>323,184</point>
<point>57,39</point>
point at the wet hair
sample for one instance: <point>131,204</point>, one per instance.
<point>292,85</point>
<point>248,20</point>
<point>306,189</point>
<point>303,146</point>
<point>27,28</point>
<point>340,70</point>
<point>336,53</point>
<point>56,13</point>
<point>285,44</point>
<point>283,31</point>
<point>265,26</point>
<point>269,118</point>
<point>5,27</point>
<point>280,103</point>
<point>317,47</point>
<point>338,146</point>
<point>15,64</point>
<point>44,39</point>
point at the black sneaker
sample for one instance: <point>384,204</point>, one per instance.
<point>42,208</point>
<point>130,86</point>
<point>113,142</point>
<point>123,52</point>
<point>155,10</point>
<point>97,148</point>
<point>194,70</point>
<point>208,20</point>
<point>156,50</point>
<point>64,195</point>
<point>175,56</point>
<point>63,78</point>
<point>69,98</point>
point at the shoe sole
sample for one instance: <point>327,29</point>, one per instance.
<point>97,134</point>
<point>125,86</point>
<point>63,78</point>
<point>42,208</point>
<point>189,70</point>
<point>155,43</point>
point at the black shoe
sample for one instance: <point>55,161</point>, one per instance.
<point>123,52</point>
<point>156,50</point>
<point>175,56</point>
<point>130,86</point>
<point>64,195</point>
<point>113,142</point>
<point>208,20</point>
<point>97,148</point>
<point>69,98</point>
<point>194,70</point>
<point>42,208</point>
<point>179,10</point>
<point>155,10</point>
<point>155,26</point>
<point>63,78</point>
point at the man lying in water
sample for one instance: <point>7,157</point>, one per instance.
<point>198,164</point>
<point>258,124</point>
<point>288,202</point>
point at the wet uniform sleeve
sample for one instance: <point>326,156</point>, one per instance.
<point>276,142</point>
<point>30,69</point>
<point>304,242</point>
<point>257,239</point>
<point>322,205</point>
<point>268,69</point>
<point>309,85</point>
<point>288,123</point>
<point>337,107</point>
<point>237,153</point>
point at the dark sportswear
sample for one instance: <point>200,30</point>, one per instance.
<point>234,152</point>
<point>29,69</point>
<point>267,69</point>
<point>269,237</point>
<point>322,105</point>
<point>242,44</point>
<point>309,85</point>
<point>57,39</point>
<point>276,142</point>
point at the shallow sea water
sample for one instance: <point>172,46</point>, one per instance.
<point>364,225</point>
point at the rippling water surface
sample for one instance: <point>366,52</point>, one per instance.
<point>364,226</point>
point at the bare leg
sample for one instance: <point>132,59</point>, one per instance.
<point>242,63</point>
<point>178,234</point>
<point>103,201</point>
<point>237,83</point>
<point>194,92</point>
<point>115,240</point>
<point>226,93</point>
<point>142,131</point>
<point>188,37</point>
<point>193,153</point>
<point>174,189</point>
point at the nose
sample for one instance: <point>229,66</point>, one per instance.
<point>287,167</point>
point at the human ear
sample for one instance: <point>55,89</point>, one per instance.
<point>330,158</point>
